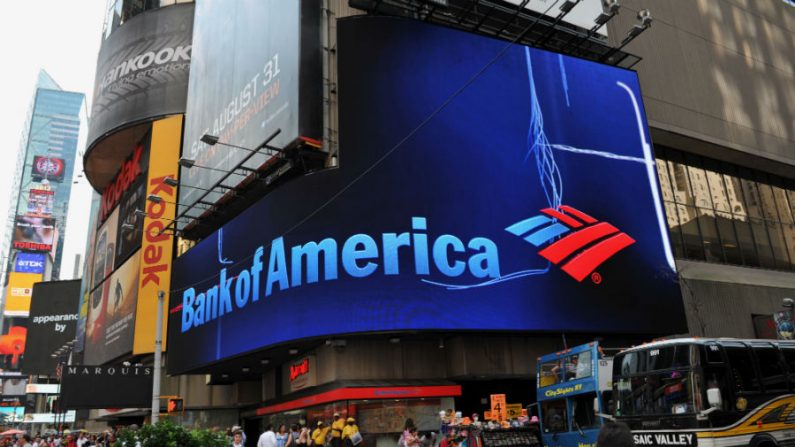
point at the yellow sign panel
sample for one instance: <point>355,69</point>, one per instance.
<point>157,246</point>
<point>498,407</point>
<point>514,411</point>
<point>20,290</point>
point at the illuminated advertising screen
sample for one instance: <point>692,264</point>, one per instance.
<point>10,415</point>
<point>40,202</point>
<point>105,248</point>
<point>51,169</point>
<point>20,289</point>
<point>34,233</point>
<point>12,345</point>
<point>527,203</point>
<point>247,81</point>
<point>109,331</point>
<point>30,262</point>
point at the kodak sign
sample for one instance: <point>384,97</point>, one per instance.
<point>157,246</point>
<point>113,193</point>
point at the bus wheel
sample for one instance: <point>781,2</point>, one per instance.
<point>763,441</point>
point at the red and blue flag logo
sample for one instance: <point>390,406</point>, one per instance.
<point>588,242</point>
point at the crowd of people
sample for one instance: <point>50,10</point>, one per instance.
<point>341,432</point>
<point>67,439</point>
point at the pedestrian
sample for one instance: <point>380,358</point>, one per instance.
<point>242,433</point>
<point>615,434</point>
<point>350,434</point>
<point>304,436</point>
<point>295,432</point>
<point>268,438</point>
<point>449,439</point>
<point>282,437</point>
<point>336,430</point>
<point>412,438</point>
<point>237,439</point>
<point>319,434</point>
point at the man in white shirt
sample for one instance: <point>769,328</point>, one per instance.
<point>267,439</point>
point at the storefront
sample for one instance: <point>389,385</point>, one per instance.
<point>380,411</point>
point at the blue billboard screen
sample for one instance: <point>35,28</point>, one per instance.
<point>482,187</point>
<point>30,262</point>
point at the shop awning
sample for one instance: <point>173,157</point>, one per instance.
<point>339,391</point>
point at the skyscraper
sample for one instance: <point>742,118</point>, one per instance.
<point>35,227</point>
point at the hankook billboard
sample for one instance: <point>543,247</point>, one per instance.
<point>142,70</point>
<point>474,194</point>
<point>53,319</point>
<point>255,69</point>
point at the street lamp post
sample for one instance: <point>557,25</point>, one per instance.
<point>158,354</point>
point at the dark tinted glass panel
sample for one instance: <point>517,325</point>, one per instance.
<point>763,249</point>
<point>691,233</point>
<point>789,242</point>
<point>675,233</point>
<point>778,244</point>
<point>747,244</point>
<point>789,359</point>
<point>582,412</point>
<point>773,374</point>
<point>555,416</point>
<point>742,369</point>
<point>731,247</point>
<point>713,248</point>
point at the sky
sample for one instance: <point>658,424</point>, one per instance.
<point>61,37</point>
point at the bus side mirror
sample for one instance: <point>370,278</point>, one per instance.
<point>714,398</point>
<point>596,408</point>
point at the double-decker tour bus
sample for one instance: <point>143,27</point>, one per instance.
<point>707,392</point>
<point>573,387</point>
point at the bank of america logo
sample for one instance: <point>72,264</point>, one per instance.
<point>588,244</point>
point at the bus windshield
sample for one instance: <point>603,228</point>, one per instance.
<point>656,381</point>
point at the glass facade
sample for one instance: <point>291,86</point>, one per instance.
<point>724,213</point>
<point>120,11</point>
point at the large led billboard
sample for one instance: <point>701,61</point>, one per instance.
<point>255,69</point>
<point>34,233</point>
<point>142,70</point>
<point>30,262</point>
<point>52,323</point>
<point>482,187</point>
<point>20,289</point>
<point>51,169</point>
<point>40,202</point>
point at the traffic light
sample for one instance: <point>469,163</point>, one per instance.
<point>175,405</point>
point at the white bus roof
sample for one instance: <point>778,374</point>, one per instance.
<point>703,341</point>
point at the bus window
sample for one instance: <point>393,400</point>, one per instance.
<point>579,366</point>
<point>742,368</point>
<point>582,411</point>
<point>555,416</point>
<point>789,357</point>
<point>628,365</point>
<point>715,376</point>
<point>668,357</point>
<point>773,376</point>
<point>550,373</point>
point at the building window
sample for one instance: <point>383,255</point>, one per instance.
<point>719,212</point>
